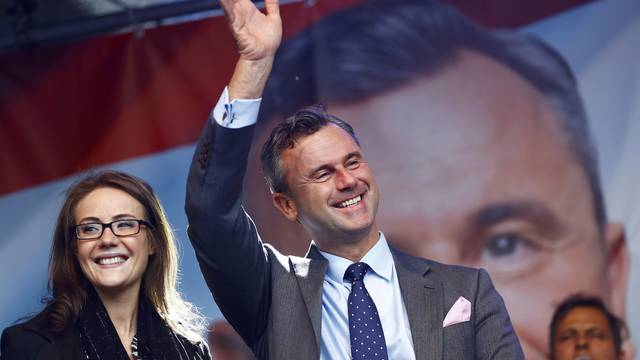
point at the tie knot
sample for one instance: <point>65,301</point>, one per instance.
<point>356,271</point>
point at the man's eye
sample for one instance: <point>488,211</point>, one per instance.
<point>509,253</point>
<point>566,336</point>
<point>321,175</point>
<point>353,164</point>
<point>597,334</point>
<point>503,245</point>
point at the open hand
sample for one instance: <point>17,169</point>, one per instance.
<point>257,35</point>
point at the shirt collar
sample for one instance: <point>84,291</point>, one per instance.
<point>378,258</point>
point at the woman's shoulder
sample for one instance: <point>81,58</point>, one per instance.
<point>29,338</point>
<point>23,339</point>
<point>195,349</point>
<point>35,326</point>
<point>202,350</point>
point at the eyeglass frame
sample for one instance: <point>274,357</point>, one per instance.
<point>140,222</point>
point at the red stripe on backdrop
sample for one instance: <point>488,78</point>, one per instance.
<point>68,108</point>
<point>91,103</point>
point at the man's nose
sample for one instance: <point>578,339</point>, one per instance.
<point>582,342</point>
<point>345,180</point>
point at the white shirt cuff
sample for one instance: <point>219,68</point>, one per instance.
<point>237,113</point>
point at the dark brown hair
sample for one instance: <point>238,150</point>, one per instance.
<point>304,122</point>
<point>67,284</point>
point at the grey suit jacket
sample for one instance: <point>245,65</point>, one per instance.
<point>275,301</point>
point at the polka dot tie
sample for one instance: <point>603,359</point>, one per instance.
<point>365,329</point>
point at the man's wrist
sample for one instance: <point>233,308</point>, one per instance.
<point>236,113</point>
<point>249,78</point>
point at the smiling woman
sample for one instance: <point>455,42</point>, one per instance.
<point>112,278</point>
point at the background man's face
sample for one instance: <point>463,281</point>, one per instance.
<point>584,331</point>
<point>477,171</point>
<point>474,169</point>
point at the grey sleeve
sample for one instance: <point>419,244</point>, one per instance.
<point>494,333</point>
<point>232,259</point>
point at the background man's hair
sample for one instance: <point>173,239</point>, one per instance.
<point>304,122</point>
<point>379,45</point>
<point>617,325</point>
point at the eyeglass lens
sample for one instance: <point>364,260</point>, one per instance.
<point>119,228</point>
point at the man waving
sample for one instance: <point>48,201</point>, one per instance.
<point>353,296</point>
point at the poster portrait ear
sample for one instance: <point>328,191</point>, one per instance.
<point>617,266</point>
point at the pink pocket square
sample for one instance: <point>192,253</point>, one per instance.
<point>459,312</point>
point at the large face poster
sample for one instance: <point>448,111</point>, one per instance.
<point>514,151</point>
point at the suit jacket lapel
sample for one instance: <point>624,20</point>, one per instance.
<point>423,299</point>
<point>310,276</point>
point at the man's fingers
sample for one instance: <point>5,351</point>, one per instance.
<point>272,7</point>
<point>226,5</point>
<point>229,6</point>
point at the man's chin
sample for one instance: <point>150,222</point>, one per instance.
<point>359,228</point>
<point>354,232</point>
<point>360,222</point>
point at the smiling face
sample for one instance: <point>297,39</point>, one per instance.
<point>332,192</point>
<point>584,333</point>
<point>478,172</point>
<point>112,263</point>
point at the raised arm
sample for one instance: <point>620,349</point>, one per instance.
<point>257,36</point>
<point>232,259</point>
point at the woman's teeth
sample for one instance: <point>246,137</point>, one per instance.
<point>111,260</point>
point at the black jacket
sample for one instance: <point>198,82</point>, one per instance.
<point>34,340</point>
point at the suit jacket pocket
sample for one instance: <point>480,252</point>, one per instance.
<point>459,341</point>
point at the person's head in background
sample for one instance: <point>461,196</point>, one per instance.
<point>225,343</point>
<point>583,328</point>
<point>480,144</point>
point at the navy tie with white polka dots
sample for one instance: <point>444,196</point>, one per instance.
<point>365,329</point>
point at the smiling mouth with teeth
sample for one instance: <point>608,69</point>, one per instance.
<point>350,202</point>
<point>111,260</point>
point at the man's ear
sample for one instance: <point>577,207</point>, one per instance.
<point>618,276</point>
<point>617,267</point>
<point>285,204</point>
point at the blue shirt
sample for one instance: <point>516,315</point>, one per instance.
<point>382,284</point>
